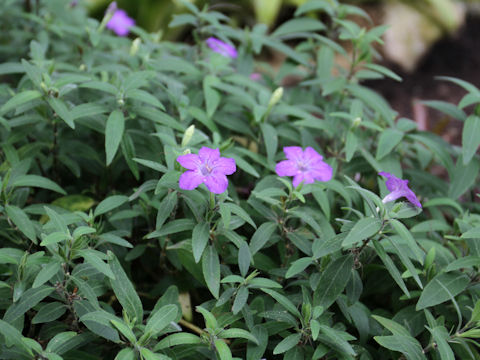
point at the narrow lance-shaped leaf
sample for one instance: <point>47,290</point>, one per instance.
<point>124,290</point>
<point>113,134</point>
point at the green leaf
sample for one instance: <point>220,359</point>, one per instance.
<point>407,345</point>
<point>244,258</point>
<point>270,139</point>
<point>177,339</point>
<point>59,341</point>
<point>240,300</point>
<point>446,108</point>
<point>261,236</point>
<point>173,227</point>
<point>464,177</point>
<point>212,96</point>
<point>255,352</point>
<point>472,233</point>
<point>284,301</point>
<point>442,288</point>
<point>211,270</point>
<point>304,24</point>
<point>387,141</point>
<point>210,320</point>
<point>237,210</point>
<point>21,220</point>
<point>298,266</point>
<point>160,319</point>
<point>332,281</point>
<point>13,337</point>
<point>19,99</point>
<point>28,300</point>
<point>145,97</point>
<point>49,312</point>
<point>362,230</point>
<point>126,354</point>
<point>234,333</point>
<point>94,258</point>
<point>336,337</point>
<point>113,134</point>
<point>466,262</point>
<point>408,238</point>
<point>47,272</point>
<point>99,322</point>
<point>200,236</point>
<point>54,238</point>
<point>223,350</point>
<point>351,145</point>
<point>39,182</point>
<point>470,138</point>
<point>286,344</point>
<point>62,111</point>
<point>441,337</point>
<point>124,291</point>
<point>110,203</point>
<point>390,265</point>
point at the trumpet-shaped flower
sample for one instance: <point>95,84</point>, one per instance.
<point>120,22</point>
<point>398,188</point>
<point>305,166</point>
<point>207,167</point>
<point>222,48</point>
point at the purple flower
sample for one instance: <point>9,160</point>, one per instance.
<point>120,22</point>
<point>306,166</point>
<point>207,167</point>
<point>255,76</point>
<point>398,188</point>
<point>222,48</point>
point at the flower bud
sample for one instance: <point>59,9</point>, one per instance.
<point>135,45</point>
<point>187,136</point>
<point>276,97</point>
<point>356,122</point>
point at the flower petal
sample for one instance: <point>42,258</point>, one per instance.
<point>294,153</point>
<point>394,195</point>
<point>311,155</point>
<point>321,171</point>
<point>225,166</point>
<point>189,161</point>
<point>189,180</point>
<point>410,195</point>
<point>221,47</point>
<point>298,178</point>
<point>216,183</point>
<point>393,183</point>
<point>286,168</point>
<point>208,155</point>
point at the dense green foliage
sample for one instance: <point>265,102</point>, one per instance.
<point>103,256</point>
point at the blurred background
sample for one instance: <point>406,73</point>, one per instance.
<point>425,39</point>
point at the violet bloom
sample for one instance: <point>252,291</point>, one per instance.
<point>222,48</point>
<point>307,166</point>
<point>398,188</point>
<point>120,22</point>
<point>207,167</point>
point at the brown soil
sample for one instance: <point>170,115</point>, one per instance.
<point>457,56</point>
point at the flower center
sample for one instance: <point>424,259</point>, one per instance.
<point>302,166</point>
<point>206,170</point>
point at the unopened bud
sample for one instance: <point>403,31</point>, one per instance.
<point>111,8</point>
<point>82,67</point>
<point>186,151</point>
<point>357,121</point>
<point>135,45</point>
<point>120,102</point>
<point>187,136</point>
<point>276,96</point>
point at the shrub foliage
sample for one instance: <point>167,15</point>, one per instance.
<point>104,256</point>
